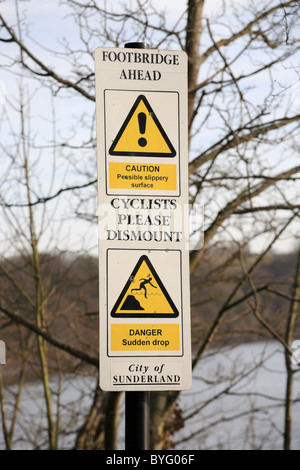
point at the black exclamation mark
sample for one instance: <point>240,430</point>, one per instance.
<point>142,126</point>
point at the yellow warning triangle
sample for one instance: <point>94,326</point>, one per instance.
<point>144,294</point>
<point>142,134</point>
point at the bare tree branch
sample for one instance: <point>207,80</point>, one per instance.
<point>46,336</point>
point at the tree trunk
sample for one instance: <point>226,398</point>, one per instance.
<point>289,338</point>
<point>193,36</point>
<point>163,403</point>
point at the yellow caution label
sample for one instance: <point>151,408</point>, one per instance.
<point>158,177</point>
<point>149,337</point>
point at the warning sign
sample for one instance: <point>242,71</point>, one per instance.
<point>143,200</point>
<point>131,176</point>
<point>144,294</point>
<point>142,134</point>
<point>145,337</point>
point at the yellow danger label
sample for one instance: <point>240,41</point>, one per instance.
<point>135,176</point>
<point>149,337</point>
<point>142,134</point>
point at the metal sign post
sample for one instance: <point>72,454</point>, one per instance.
<point>142,154</point>
<point>137,404</point>
<point>137,420</point>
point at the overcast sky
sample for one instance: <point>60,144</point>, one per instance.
<point>48,22</point>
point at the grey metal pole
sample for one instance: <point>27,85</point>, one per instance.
<point>137,45</point>
<point>137,420</point>
<point>137,404</point>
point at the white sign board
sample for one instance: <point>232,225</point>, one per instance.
<point>141,105</point>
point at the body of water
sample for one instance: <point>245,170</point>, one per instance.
<point>236,402</point>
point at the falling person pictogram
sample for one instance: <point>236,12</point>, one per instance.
<point>151,303</point>
<point>142,285</point>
